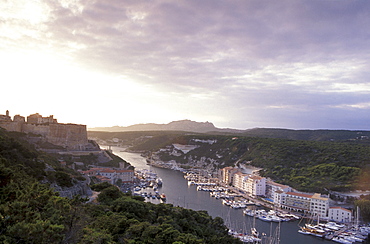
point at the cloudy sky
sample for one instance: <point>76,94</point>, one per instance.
<point>298,64</point>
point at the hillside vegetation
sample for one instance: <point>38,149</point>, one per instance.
<point>31,212</point>
<point>307,165</point>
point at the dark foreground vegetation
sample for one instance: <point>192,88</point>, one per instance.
<point>31,212</point>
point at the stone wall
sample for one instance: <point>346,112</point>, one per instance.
<point>42,130</point>
<point>11,126</point>
<point>70,136</point>
<point>80,188</point>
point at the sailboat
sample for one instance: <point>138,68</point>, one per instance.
<point>311,229</point>
<point>275,238</point>
<point>245,237</point>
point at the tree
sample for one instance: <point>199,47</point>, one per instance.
<point>109,194</point>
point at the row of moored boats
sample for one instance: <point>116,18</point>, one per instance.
<point>270,216</point>
<point>339,233</point>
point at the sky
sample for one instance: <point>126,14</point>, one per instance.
<point>296,64</point>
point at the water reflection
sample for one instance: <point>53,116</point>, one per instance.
<point>180,194</point>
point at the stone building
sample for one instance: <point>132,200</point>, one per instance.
<point>38,119</point>
<point>6,117</point>
<point>69,136</point>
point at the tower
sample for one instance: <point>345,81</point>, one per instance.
<point>7,113</point>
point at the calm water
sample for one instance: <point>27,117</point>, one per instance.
<point>179,193</point>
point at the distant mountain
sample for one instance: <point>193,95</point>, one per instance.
<point>181,125</point>
<point>209,128</point>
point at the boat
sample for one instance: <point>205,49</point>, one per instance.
<point>159,181</point>
<point>304,232</point>
<point>315,230</point>
<point>254,232</point>
<point>341,240</point>
<point>248,212</point>
<point>275,218</point>
<point>265,218</point>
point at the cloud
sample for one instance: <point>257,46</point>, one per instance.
<point>233,58</point>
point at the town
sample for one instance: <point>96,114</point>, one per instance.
<point>237,188</point>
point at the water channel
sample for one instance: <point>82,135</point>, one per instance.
<point>178,193</point>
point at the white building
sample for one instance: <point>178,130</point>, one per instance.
<point>319,205</point>
<point>339,214</point>
<point>112,174</point>
<point>256,185</point>
<point>226,175</point>
<point>272,188</point>
<point>125,175</point>
<point>239,180</point>
<point>311,204</point>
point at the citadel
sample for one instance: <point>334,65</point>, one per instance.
<point>71,137</point>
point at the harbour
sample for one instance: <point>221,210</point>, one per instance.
<point>179,193</point>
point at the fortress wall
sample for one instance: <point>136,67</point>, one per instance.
<point>36,129</point>
<point>69,135</point>
<point>11,126</point>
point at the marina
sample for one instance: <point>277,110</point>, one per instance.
<point>211,199</point>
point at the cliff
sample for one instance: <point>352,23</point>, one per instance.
<point>68,136</point>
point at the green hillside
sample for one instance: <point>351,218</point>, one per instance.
<point>30,212</point>
<point>308,165</point>
<point>311,135</point>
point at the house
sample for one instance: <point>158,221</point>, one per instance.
<point>112,174</point>
<point>339,214</point>
<point>125,175</point>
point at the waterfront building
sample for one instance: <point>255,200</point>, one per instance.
<point>256,185</point>
<point>339,214</point>
<point>295,201</point>
<point>252,184</point>
<point>277,198</point>
<point>312,204</point>
<point>226,174</point>
<point>112,174</point>
<point>239,180</point>
<point>273,187</point>
<point>125,175</point>
<point>319,205</point>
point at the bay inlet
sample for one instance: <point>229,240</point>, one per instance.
<point>179,193</point>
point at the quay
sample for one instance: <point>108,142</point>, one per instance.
<point>179,193</point>
<point>235,198</point>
